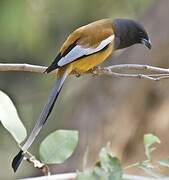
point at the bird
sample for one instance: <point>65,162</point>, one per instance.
<point>85,48</point>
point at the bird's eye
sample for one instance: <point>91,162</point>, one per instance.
<point>141,33</point>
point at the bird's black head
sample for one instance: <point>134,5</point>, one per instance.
<point>129,32</point>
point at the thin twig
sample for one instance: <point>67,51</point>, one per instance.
<point>124,75</point>
<point>139,67</point>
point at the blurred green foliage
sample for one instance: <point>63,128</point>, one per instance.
<point>108,167</point>
<point>31,32</point>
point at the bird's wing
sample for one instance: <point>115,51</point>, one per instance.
<point>80,44</point>
<point>79,51</point>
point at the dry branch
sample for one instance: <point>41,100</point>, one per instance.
<point>22,67</point>
<point>152,73</point>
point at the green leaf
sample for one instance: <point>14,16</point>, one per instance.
<point>107,168</point>
<point>111,165</point>
<point>10,119</point>
<point>164,162</point>
<point>149,140</point>
<point>58,146</point>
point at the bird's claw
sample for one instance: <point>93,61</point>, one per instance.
<point>77,74</point>
<point>95,70</point>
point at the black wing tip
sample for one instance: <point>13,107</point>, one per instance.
<point>46,70</point>
<point>50,69</point>
<point>17,160</point>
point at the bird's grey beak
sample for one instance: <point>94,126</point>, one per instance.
<point>147,43</point>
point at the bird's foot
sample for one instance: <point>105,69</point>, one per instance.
<point>78,74</point>
<point>95,70</point>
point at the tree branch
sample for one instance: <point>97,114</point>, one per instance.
<point>22,67</point>
<point>149,72</point>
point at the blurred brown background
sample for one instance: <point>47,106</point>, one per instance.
<point>103,109</point>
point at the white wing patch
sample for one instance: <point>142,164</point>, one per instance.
<point>78,51</point>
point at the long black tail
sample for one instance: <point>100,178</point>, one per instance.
<point>41,121</point>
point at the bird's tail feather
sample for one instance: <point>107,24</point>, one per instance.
<point>42,119</point>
